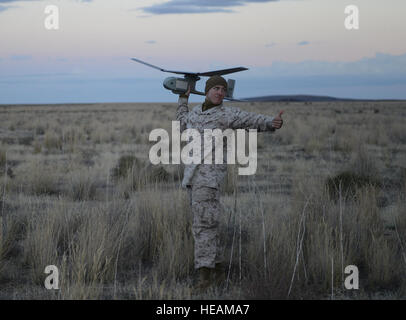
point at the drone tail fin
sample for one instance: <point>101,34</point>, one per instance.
<point>230,88</point>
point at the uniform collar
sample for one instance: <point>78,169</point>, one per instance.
<point>209,111</point>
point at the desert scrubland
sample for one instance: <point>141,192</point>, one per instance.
<point>77,191</point>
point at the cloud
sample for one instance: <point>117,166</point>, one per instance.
<point>199,6</point>
<point>150,41</point>
<point>380,76</point>
<point>4,8</point>
<point>380,64</point>
<point>270,45</point>
<point>303,43</point>
<point>8,1</point>
<point>20,57</point>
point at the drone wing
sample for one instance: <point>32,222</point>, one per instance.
<point>205,74</point>
<point>221,72</point>
<point>161,69</point>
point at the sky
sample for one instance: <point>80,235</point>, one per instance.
<point>289,47</point>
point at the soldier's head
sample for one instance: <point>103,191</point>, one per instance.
<point>216,89</point>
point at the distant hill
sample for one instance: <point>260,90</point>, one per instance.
<point>298,98</point>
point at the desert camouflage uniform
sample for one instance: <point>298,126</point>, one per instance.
<point>203,180</point>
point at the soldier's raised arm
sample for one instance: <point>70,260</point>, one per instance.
<point>183,110</point>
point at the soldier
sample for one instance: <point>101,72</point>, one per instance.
<point>203,180</point>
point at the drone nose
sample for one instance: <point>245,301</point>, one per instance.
<point>170,83</point>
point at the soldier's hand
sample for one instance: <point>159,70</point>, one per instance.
<point>187,93</point>
<point>277,122</point>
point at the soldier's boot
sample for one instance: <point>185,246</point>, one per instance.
<point>204,280</point>
<point>219,274</point>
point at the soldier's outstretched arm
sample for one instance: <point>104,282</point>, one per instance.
<point>240,119</point>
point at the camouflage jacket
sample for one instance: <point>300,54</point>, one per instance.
<point>219,117</point>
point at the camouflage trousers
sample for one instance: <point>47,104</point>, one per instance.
<point>206,210</point>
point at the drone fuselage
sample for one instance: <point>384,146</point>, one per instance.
<point>180,85</point>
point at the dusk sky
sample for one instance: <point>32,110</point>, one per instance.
<point>289,46</point>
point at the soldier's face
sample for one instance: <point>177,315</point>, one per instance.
<point>216,94</point>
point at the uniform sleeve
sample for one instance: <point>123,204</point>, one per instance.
<point>182,112</point>
<point>239,119</point>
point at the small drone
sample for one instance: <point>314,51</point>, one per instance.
<point>180,85</point>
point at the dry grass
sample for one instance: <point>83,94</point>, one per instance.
<point>329,192</point>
